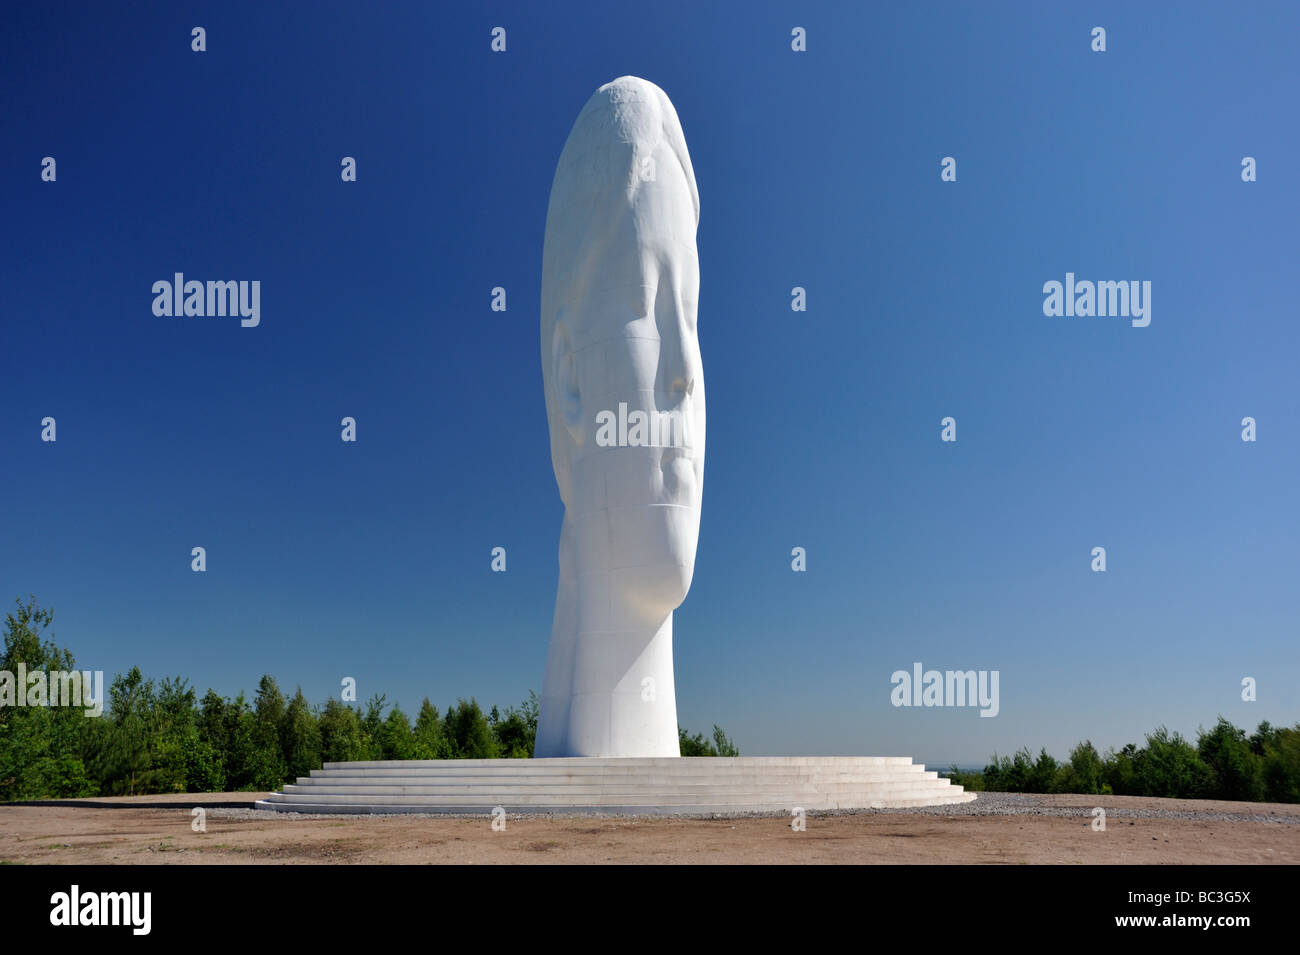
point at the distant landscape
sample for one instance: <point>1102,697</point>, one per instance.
<point>158,736</point>
<point>1224,763</point>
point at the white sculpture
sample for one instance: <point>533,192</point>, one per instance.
<point>625,406</point>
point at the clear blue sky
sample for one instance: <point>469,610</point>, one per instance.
<point>818,169</point>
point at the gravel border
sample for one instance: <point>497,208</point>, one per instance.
<point>985,804</point>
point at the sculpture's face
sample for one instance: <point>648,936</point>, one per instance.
<point>626,343</point>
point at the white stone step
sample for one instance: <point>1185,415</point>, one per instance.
<point>560,792</point>
<point>595,779</point>
<point>679,763</point>
<point>662,785</point>
<point>620,810</point>
<point>580,772</point>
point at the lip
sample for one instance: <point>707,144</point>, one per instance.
<point>677,465</point>
<point>677,470</point>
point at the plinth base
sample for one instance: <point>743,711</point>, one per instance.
<point>619,786</point>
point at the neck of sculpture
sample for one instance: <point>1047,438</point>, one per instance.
<point>609,687</point>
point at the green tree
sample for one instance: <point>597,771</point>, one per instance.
<point>130,759</point>
<point>1170,766</point>
<point>722,744</point>
<point>1237,771</point>
<point>971,781</point>
<point>1010,774</point>
<point>697,745</point>
<point>1042,777</point>
<point>372,724</point>
<point>212,721</point>
<point>430,741</point>
<point>1282,765</point>
<point>516,732</point>
<point>241,758</point>
<point>1120,771</point>
<point>1263,737</point>
<point>267,765</point>
<point>300,737</point>
<point>40,746</point>
<point>209,759</point>
<point>1083,773</point>
<point>395,739</point>
<point>467,731</point>
<point>342,737</point>
<point>174,740</point>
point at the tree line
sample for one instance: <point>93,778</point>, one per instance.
<point>158,736</point>
<point>1224,763</point>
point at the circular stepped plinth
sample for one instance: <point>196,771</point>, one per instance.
<point>622,785</point>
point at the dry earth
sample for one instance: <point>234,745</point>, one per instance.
<point>997,828</point>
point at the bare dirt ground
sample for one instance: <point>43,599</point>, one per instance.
<point>997,828</point>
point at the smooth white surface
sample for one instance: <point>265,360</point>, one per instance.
<point>620,282</point>
<point>692,785</point>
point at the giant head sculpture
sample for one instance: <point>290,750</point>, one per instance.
<point>625,405</point>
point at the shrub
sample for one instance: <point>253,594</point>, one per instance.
<point>1237,771</point>
<point>1083,773</point>
<point>1170,766</point>
<point>467,731</point>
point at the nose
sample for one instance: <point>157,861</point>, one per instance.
<point>675,377</point>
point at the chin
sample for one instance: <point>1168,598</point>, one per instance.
<point>664,586</point>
